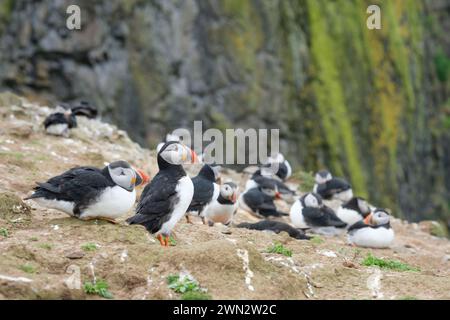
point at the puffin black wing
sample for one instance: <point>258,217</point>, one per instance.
<point>360,225</point>
<point>275,226</point>
<point>203,193</point>
<point>55,118</point>
<point>321,218</point>
<point>156,203</point>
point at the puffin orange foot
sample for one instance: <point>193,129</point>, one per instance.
<point>166,241</point>
<point>160,238</point>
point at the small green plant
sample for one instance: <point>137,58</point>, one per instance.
<point>27,268</point>
<point>371,260</point>
<point>195,295</point>
<point>172,241</point>
<point>46,246</point>
<point>99,287</point>
<point>89,246</point>
<point>279,249</point>
<point>34,239</point>
<point>317,240</point>
<point>306,180</point>
<point>4,232</point>
<point>183,283</point>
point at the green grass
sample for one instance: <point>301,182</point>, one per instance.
<point>33,239</point>
<point>317,240</point>
<point>371,260</point>
<point>4,232</point>
<point>182,284</point>
<point>46,246</point>
<point>100,288</point>
<point>89,246</point>
<point>306,180</point>
<point>279,249</point>
<point>28,268</point>
<point>172,241</point>
<point>195,295</point>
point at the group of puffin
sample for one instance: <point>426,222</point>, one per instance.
<point>64,118</point>
<point>110,192</point>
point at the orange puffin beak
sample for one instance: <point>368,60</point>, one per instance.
<point>233,197</point>
<point>277,195</point>
<point>145,177</point>
<point>194,158</point>
<point>368,218</point>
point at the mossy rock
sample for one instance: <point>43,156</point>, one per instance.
<point>435,228</point>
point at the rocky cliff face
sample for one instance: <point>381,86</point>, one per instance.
<point>369,104</point>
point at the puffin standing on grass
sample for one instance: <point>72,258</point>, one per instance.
<point>90,193</point>
<point>354,210</point>
<point>329,187</point>
<point>206,191</point>
<point>166,198</point>
<point>374,232</point>
<point>260,200</point>
<point>59,123</point>
<point>309,212</point>
<point>222,210</point>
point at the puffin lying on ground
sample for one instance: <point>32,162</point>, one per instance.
<point>284,168</point>
<point>354,210</point>
<point>263,176</point>
<point>166,198</point>
<point>84,108</point>
<point>276,227</point>
<point>329,187</point>
<point>91,193</point>
<point>259,200</point>
<point>59,123</point>
<point>222,210</point>
<point>206,191</point>
<point>374,232</point>
<point>309,212</point>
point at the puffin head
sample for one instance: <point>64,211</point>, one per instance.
<point>176,153</point>
<point>122,174</point>
<point>323,176</point>
<point>311,200</point>
<point>229,191</point>
<point>378,217</point>
<point>269,188</point>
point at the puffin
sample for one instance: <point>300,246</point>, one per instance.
<point>373,232</point>
<point>84,108</point>
<point>165,200</point>
<point>354,210</point>
<point>222,209</point>
<point>331,188</point>
<point>309,212</point>
<point>261,176</point>
<point>206,191</point>
<point>260,200</point>
<point>91,193</point>
<point>284,171</point>
<point>277,227</point>
<point>59,123</point>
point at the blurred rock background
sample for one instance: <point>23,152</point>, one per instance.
<point>371,105</point>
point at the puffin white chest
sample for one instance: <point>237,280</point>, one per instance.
<point>222,213</point>
<point>250,184</point>
<point>112,203</point>
<point>185,191</point>
<point>372,237</point>
<point>296,215</point>
<point>60,129</point>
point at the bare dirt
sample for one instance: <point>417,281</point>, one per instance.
<point>43,252</point>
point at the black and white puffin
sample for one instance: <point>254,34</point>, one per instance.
<point>284,170</point>
<point>275,226</point>
<point>165,200</point>
<point>373,232</point>
<point>354,210</point>
<point>222,210</point>
<point>260,200</point>
<point>84,108</point>
<point>59,123</point>
<point>329,187</point>
<point>91,193</point>
<point>309,212</point>
<point>261,176</point>
<point>206,191</point>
